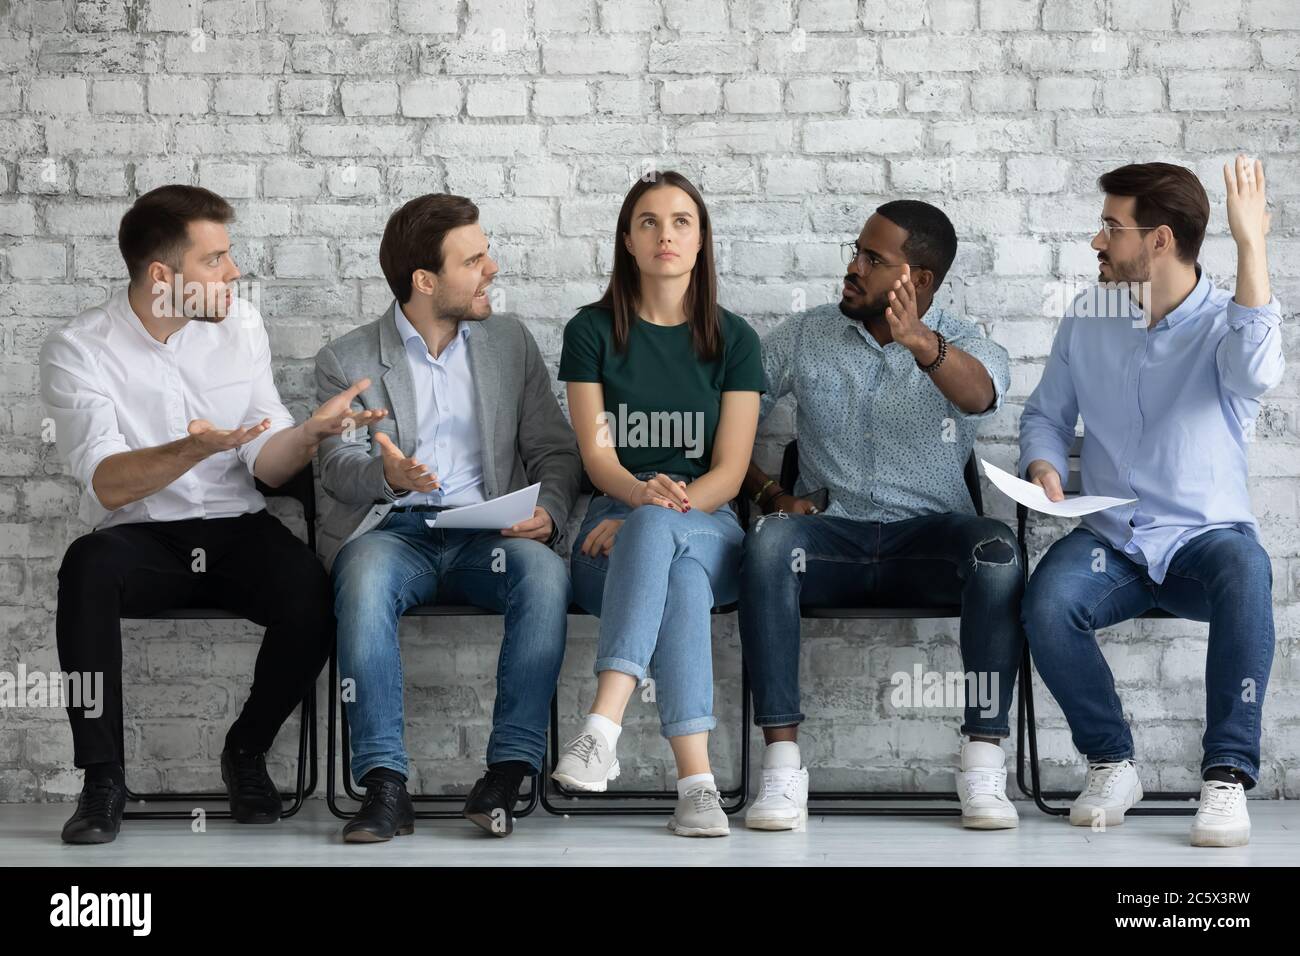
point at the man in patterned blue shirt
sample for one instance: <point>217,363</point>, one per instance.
<point>890,393</point>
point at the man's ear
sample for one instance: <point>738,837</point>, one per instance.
<point>423,281</point>
<point>1164,240</point>
<point>923,280</point>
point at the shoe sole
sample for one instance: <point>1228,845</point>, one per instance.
<point>257,818</point>
<point>365,836</point>
<point>587,786</point>
<point>485,821</point>
<point>1114,816</point>
<point>1220,838</point>
<point>798,824</point>
<point>679,830</point>
<point>990,823</point>
<point>91,839</point>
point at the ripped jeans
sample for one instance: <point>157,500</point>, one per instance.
<point>824,561</point>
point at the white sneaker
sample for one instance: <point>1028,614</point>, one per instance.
<point>699,813</point>
<point>982,788</point>
<point>587,762</point>
<point>782,802</point>
<point>1222,819</point>
<point>1111,790</point>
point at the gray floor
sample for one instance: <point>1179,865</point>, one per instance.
<point>29,835</point>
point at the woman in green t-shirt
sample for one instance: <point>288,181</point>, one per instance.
<point>663,387</point>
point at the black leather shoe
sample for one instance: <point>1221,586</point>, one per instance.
<point>385,812</point>
<point>491,804</point>
<point>253,797</point>
<point>99,813</point>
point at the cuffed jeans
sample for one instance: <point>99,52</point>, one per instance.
<point>1221,576</point>
<point>825,561</point>
<point>403,562</point>
<point>654,595</point>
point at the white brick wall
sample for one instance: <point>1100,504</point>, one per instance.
<point>796,117</point>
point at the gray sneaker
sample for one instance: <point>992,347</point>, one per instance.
<point>586,763</point>
<point>699,814</point>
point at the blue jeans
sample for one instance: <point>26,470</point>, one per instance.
<point>824,561</point>
<point>401,563</point>
<point>1221,576</point>
<point>654,595</point>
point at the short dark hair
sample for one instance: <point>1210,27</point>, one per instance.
<point>1167,195</point>
<point>414,234</point>
<point>155,228</point>
<point>931,240</point>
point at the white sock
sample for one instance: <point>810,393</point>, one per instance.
<point>693,782</point>
<point>608,730</point>
<point>782,754</point>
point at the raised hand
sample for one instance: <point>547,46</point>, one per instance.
<point>402,473</point>
<point>1248,215</point>
<point>904,319</point>
<point>210,440</point>
<point>336,415</point>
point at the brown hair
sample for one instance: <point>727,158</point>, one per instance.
<point>1167,195</point>
<point>624,290</point>
<point>414,234</point>
<point>156,227</point>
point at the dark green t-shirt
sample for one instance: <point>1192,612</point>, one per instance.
<point>662,403</point>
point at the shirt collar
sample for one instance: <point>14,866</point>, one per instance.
<point>119,306</point>
<point>1195,299</point>
<point>407,331</point>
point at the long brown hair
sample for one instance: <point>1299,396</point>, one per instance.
<point>623,293</point>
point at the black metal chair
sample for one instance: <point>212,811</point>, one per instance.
<point>301,487</point>
<point>789,475</point>
<point>338,717</point>
<point>1072,484</point>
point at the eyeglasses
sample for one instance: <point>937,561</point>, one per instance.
<point>1107,227</point>
<point>850,253</point>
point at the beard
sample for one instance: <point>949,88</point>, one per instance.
<point>1136,269</point>
<point>868,312</point>
<point>461,310</point>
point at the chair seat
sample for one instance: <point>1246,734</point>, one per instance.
<point>187,614</point>
<point>880,613</point>
<point>469,610</point>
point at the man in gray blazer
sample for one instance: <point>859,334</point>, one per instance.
<point>470,416</point>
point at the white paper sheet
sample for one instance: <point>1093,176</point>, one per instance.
<point>1031,496</point>
<point>493,515</point>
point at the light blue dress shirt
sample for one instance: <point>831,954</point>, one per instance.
<point>449,443</point>
<point>1167,413</point>
<point>874,430</point>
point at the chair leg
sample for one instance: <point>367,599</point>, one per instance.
<point>299,794</point>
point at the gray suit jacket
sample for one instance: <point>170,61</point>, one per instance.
<point>525,436</point>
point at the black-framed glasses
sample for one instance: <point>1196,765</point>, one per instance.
<point>850,253</point>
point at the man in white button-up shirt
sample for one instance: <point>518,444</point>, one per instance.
<point>165,409</point>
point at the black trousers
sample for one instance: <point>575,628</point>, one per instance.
<point>251,565</point>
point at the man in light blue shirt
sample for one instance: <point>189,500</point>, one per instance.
<point>890,393</point>
<point>468,414</point>
<point>1167,378</point>
<point>448,438</point>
